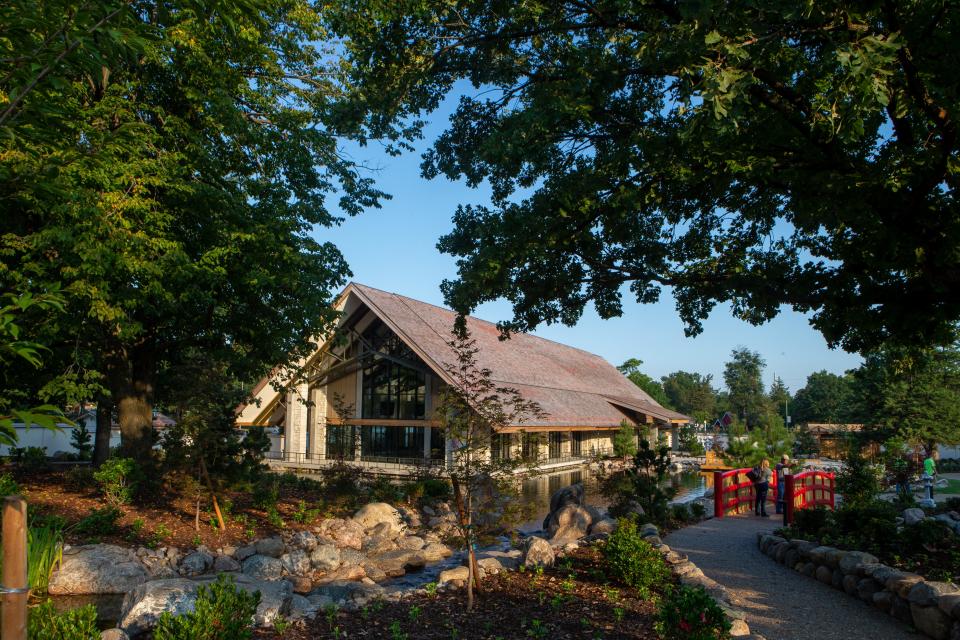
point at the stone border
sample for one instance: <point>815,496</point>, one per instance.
<point>690,575</point>
<point>933,608</point>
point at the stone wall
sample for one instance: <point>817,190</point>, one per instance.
<point>931,607</point>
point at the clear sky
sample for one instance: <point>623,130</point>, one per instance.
<point>394,249</point>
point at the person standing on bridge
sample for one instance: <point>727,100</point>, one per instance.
<point>760,488</point>
<point>782,469</point>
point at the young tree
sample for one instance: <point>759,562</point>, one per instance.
<point>689,441</point>
<point>631,369</point>
<point>625,441</point>
<point>80,439</point>
<point>471,410</point>
<point>759,155</point>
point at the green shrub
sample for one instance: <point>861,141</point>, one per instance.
<point>44,552</point>
<point>436,488</point>
<point>222,611</point>
<point>43,623</point>
<point>632,560</point>
<point>698,510</point>
<point>691,614</point>
<point>8,486</point>
<point>30,459</point>
<point>680,513</point>
<point>266,492</point>
<point>100,522</point>
<point>811,522</point>
<point>80,478</point>
<point>380,489</point>
<point>118,479</point>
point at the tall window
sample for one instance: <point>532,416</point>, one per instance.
<point>391,442</point>
<point>341,442</point>
<point>529,446</point>
<point>500,446</point>
<point>438,444</point>
<point>391,391</point>
<point>555,438</point>
<point>576,443</point>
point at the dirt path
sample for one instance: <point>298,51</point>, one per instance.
<point>780,603</point>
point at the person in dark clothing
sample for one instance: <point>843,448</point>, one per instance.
<point>782,470</point>
<point>761,486</point>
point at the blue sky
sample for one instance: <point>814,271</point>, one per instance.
<point>394,249</point>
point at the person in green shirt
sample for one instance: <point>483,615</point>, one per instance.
<point>930,469</point>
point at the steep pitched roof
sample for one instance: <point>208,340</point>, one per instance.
<point>574,387</point>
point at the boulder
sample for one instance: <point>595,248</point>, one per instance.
<point>850,585</point>
<point>489,566</point>
<point>950,605</point>
<point>300,584</point>
<point>272,547</point>
<point>243,553</point>
<point>509,560</point>
<point>304,540</point>
<point>927,594</point>
<point>374,572</point>
<point>649,530</point>
<point>225,563</point>
<point>569,523</point>
<point>931,621</point>
<point>883,600</point>
<point>380,539</point>
<point>325,557</point>
<point>866,587</point>
<point>436,551</point>
<point>900,609</point>
<point>604,525</point>
<point>853,559</point>
<point>370,515</point>
<point>396,563</point>
<point>196,563</point>
<point>345,573</point>
<point>143,605</point>
<point>301,608</point>
<point>453,575</point>
<point>97,569</point>
<point>537,552</point>
<point>296,563</point>
<point>261,567</point>
<point>573,494</point>
<point>113,634</point>
<point>819,554</point>
<point>411,543</point>
<point>913,516</point>
<point>824,574</point>
<point>903,584</point>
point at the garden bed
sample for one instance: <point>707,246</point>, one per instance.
<point>572,600</point>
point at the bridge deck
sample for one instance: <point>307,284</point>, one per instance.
<point>780,603</point>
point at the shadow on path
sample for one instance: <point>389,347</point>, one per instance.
<point>780,603</point>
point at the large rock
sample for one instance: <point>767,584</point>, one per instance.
<point>261,567</point>
<point>457,574</point>
<point>272,547</point>
<point>196,564</point>
<point>113,634</point>
<point>931,621</point>
<point>537,552</point>
<point>853,560</point>
<point>304,540</point>
<point>913,516</point>
<point>567,495</point>
<point>97,569</point>
<point>436,551</point>
<point>370,515</point>
<point>143,605</point>
<point>345,534</point>
<point>225,563</point>
<point>926,594</point>
<point>398,562</point>
<point>380,539</point>
<point>604,525</point>
<point>571,522</point>
<point>325,557</point>
<point>296,563</point>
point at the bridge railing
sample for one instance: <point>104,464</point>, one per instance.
<point>807,490</point>
<point>733,492</point>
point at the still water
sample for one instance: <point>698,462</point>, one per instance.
<point>536,492</point>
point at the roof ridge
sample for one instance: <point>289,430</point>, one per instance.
<point>476,319</point>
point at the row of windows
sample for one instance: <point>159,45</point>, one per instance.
<point>382,442</point>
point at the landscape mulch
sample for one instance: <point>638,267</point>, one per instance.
<point>571,601</point>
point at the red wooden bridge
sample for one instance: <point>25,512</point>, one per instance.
<point>734,493</point>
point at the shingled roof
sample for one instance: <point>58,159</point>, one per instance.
<point>575,388</point>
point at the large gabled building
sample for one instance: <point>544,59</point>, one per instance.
<point>371,391</point>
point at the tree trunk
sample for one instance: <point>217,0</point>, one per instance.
<point>135,405</point>
<point>101,441</point>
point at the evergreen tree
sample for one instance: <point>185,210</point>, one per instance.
<point>631,369</point>
<point>80,439</point>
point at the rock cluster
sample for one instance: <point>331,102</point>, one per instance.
<point>931,607</point>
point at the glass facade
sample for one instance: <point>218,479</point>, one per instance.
<point>438,444</point>
<point>529,446</point>
<point>341,441</point>
<point>500,446</point>
<point>553,444</point>
<point>391,442</point>
<point>576,443</point>
<point>390,390</point>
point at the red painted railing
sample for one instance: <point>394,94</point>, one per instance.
<point>808,490</point>
<point>733,492</point>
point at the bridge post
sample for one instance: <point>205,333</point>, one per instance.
<point>788,499</point>
<point>718,494</point>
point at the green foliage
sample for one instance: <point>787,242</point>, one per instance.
<point>805,443</point>
<point>742,375</point>
<point>826,397</point>
<point>691,394</point>
<point>118,479</point>
<point>43,623</point>
<point>633,148</point>
<point>81,440</point>
<point>689,613</point>
<point>222,611</point>
<point>631,369</point>
<point>631,560</point>
<point>99,523</point>
<point>8,486</point>
<point>266,492</point>
<point>30,459</point>
<point>641,485</point>
<point>748,448</point>
<point>689,441</point>
<point>858,480</point>
<point>44,552</point>
<point>625,440</point>
<point>697,510</point>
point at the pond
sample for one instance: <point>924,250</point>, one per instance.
<point>536,491</point>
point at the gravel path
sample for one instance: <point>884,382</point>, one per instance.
<point>780,604</point>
